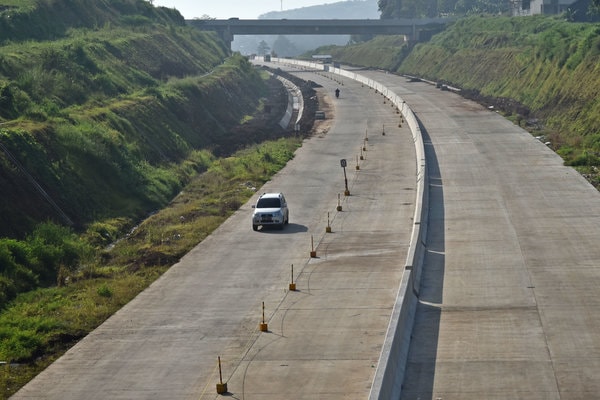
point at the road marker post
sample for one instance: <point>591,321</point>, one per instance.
<point>221,387</point>
<point>313,252</point>
<point>292,284</point>
<point>328,227</point>
<point>343,163</point>
<point>357,166</point>
<point>263,325</point>
<point>339,206</point>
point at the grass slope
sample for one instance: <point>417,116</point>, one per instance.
<point>108,109</point>
<point>541,71</point>
<point>104,123</point>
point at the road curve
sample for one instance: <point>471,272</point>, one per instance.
<point>323,340</point>
<point>508,303</point>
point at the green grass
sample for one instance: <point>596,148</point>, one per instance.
<point>18,3</point>
<point>382,52</point>
<point>108,156</point>
<point>117,110</point>
<point>39,325</point>
<point>546,64</point>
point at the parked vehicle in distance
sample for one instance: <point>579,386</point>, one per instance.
<point>270,209</point>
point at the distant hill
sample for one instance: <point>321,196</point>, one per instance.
<point>293,45</point>
<point>354,9</point>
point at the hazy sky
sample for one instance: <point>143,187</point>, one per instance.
<point>244,9</point>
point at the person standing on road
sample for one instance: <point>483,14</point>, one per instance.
<point>337,93</point>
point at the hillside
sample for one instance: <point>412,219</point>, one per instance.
<point>109,109</point>
<point>126,137</point>
<point>542,72</point>
<point>52,19</point>
<point>354,9</point>
<point>105,120</point>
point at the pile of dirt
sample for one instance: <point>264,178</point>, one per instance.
<point>309,97</point>
<point>264,125</point>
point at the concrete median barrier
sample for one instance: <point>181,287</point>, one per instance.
<point>389,376</point>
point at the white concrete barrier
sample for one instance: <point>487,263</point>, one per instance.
<point>389,375</point>
<point>295,102</point>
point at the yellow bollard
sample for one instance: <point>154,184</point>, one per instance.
<point>292,284</point>
<point>263,325</point>
<point>221,387</point>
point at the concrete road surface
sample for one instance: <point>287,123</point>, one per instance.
<point>508,307</point>
<point>508,300</point>
<point>324,339</point>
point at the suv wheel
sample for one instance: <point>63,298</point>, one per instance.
<point>254,227</point>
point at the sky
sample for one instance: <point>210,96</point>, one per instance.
<point>243,9</point>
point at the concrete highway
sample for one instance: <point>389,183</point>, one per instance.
<point>508,302</point>
<point>324,339</point>
<point>506,305</point>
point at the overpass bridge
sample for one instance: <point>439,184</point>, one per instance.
<point>228,28</point>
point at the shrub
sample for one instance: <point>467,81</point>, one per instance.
<point>104,290</point>
<point>19,344</point>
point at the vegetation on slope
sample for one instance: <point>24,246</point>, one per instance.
<point>99,123</point>
<point>540,71</point>
<point>386,52</point>
<point>52,19</point>
<point>108,109</point>
<point>582,11</point>
<point>109,125</point>
<point>40,325</point>
<point>419,9</point>
<point>547,65</point>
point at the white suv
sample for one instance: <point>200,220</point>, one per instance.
<point>270,209</point>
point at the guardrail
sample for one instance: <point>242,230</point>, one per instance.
<point>389,376</point>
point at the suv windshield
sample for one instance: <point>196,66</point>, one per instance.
<point>268,203</point>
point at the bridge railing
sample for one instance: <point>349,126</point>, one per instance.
<point>389,376</point>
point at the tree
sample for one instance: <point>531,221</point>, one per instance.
<point>284,47</point>
<point>390,8</point>
<point>263,48</point>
